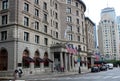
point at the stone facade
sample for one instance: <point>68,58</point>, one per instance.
<point>35,27</point>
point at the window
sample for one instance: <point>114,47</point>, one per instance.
<point>68,1</point>
<point>77,21</point>
<point>78,29</point>
<point>56,25</point>
<point>56,34</point>
<point>36,12</point>
<point>77,13</point>
<point>26,21</point>
<point>45,17</point>
<point>4,4</point>
<point>76,4</point>
<point>78,38</point>
<point>36,25</point>
<point>70,37</point>
<point>26,7</point>
<point>69,27</point>
<point>45,6</point>
<point>26,36</point>
<point>45,28</point>
<point>36,39</point>
<point>45,41</point>
<point>68,10</point>
<point>56,6</point>
<point>69,19</point>
<point>56,15</point>
<point>3,35</point>
<point>4,19</point>
<point>36,1</point>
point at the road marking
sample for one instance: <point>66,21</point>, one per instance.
<point>115,77</point>
<point>107,77</point>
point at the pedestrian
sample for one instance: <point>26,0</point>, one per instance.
<point>15,74</point>
<point>20,72</point>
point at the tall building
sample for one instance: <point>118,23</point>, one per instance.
<point>90,36</point>
<point>107,34</point>
<point>33,31</point>
<point>118,28</point>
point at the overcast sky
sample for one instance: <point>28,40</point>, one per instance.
<point>94,8</point>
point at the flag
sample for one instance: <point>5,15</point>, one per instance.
<point>68,49</point>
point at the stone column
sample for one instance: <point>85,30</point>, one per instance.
<point>69,61</point>
<point>61,59</point>
<point>66,61</point>
<point>31,68</point>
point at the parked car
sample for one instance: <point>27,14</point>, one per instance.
<point>110,65</point>
<point>103,68</point>
<point>95,69</point>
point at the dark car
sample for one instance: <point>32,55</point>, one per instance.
<point>95,69</point>
<point>103,68</point>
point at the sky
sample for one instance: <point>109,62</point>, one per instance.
<point>93,8</point>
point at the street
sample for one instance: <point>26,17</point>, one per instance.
<point>110,75</point>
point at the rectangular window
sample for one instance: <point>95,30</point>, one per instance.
<point>76,4</point>
<point>26,21</point>
<point>77,13</point>
<point>4,19</point>
<point>70,37</point>
<point>69,27</point>
<point>45,6</point>
<point>68,1</point>
<point>56,34</point>
<point>36,39</point>
<point>4,4</point>
<point>45,41</point>
<point>77,21</point>
<point>78,29</point>
<point>56,25</point>
<point>36,25</point>
<point>36,12</point>
<point>45,28</point>
<point>69,19</point>
<point>56,15</point>
<point>26,36</point>
<point>26,7</point>
<point>36,1</point>
<point>56,7</point>
<point>3,35</point>
<point>78,38</point>
<point>45,17</point>
<point>68,10</point>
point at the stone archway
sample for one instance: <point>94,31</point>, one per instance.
<point>3,59</point>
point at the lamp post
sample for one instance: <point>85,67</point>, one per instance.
<point>79,49</point>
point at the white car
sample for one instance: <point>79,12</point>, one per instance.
<point>110,65</point>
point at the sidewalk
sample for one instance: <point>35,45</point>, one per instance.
<point>50,75</point>
<point>44,75</point>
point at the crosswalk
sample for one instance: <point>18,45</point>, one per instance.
<point>83,78</point>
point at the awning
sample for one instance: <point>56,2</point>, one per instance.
<point>40,60</point>
<point>47,60</point>
<point>28,59</point>
<point>99,62</point>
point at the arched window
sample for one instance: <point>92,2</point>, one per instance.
<point>3,59</point>
<point>46,60</point>
<point>26,60</point>
<point>37,59</point>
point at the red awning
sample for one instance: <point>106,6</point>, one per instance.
<point>28,59</point>
<point>39,60</point>
<point>47,60</point>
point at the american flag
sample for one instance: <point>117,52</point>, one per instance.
<point>67,47</point>
<point>96,57</point>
